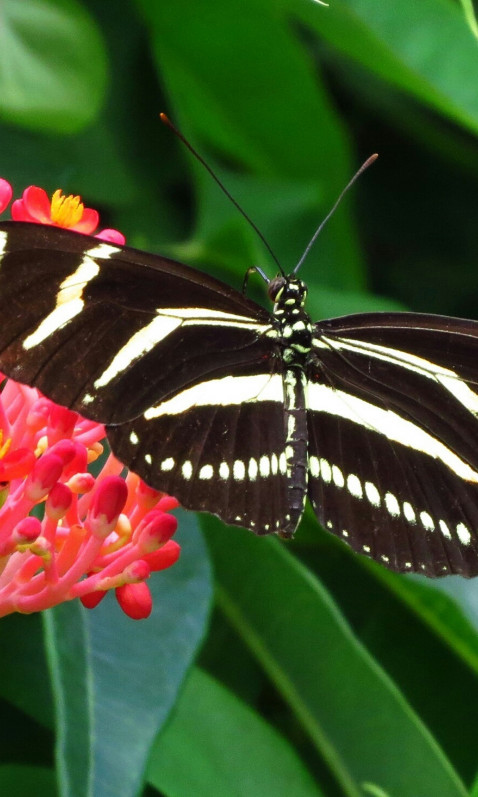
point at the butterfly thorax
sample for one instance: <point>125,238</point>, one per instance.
<point>293,323</point>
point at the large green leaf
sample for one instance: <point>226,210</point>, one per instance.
<point>52,65</point>
<point>230,749</point>
<point>115,680</point>
<point>23,781</point>
<point>355,715</point>
<point>422,48</point>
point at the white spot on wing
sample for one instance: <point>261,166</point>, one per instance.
<point>463,534</point>
<point>314,467</point>
<point>409,512</point>
<point>3,243</point>
<point>372,494</point>
<point>264,467</point>
<point>325,470</point>
<point>252,469</point>
<point>167,464</point>
<point>239,470</point>
<point>187,469</point>
<point>206,472</point>
<point>134,439</point>
<point>337,476</point>
<point>393,507</point>
<point>444,529</point>
<point>427,521</point>
<point>224,470</point>
<point>354,485</point>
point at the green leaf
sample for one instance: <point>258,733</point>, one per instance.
<point>23,781</point>
<point>355,715</point>
<point>230,749</point>
<point>414,631</point>
<point>52,65</point>
<point>115,679</point>
<point>406,45</point>
<point>470,16</point>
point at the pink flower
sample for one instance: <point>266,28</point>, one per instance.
<point>63,533</point>
<point>5,194</point>
<point>61,211</point>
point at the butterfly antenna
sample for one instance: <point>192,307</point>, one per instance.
<point>319,229</point>
<point>236,204</point>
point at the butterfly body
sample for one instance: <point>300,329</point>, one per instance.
<point>244,412</point>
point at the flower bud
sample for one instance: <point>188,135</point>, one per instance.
<point>106,505</point>
<point>45,474</point>
<point>135,600</point>
<point>58,501</point>
<point>157,528</point>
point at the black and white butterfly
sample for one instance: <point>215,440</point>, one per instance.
<point>242,412</point>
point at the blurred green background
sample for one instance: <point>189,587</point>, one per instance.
<point>266,669</point>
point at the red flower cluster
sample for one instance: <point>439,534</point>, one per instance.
<point>64,533</point>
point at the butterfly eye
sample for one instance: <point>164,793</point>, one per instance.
<point>275,288</point>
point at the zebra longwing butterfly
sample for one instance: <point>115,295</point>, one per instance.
<point>243,413</point>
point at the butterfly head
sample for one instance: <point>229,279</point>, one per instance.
<point>287,292</point>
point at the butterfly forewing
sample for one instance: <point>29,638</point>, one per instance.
<point>108,330</point>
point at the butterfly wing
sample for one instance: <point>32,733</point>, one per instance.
<point>393,439</point>
<point>183,369</point>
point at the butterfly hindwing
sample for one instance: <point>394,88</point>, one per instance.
<point>393,440</point>
<point>228,460</point>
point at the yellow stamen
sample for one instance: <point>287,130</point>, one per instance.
<point>4,492</point>
<point>4,446</point>
<point>66,211</point>
<point>95,451</point>
<point>124,531</point>
<point>42,446</point>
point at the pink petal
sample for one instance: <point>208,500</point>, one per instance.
<point>112,236</point>
<point>20,213</point>
<point>37,204</point>
<point>6,193</point>
<point>88,222</point>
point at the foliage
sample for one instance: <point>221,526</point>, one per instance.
<point>320,673</point>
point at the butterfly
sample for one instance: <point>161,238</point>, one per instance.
<point>244,412</point>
